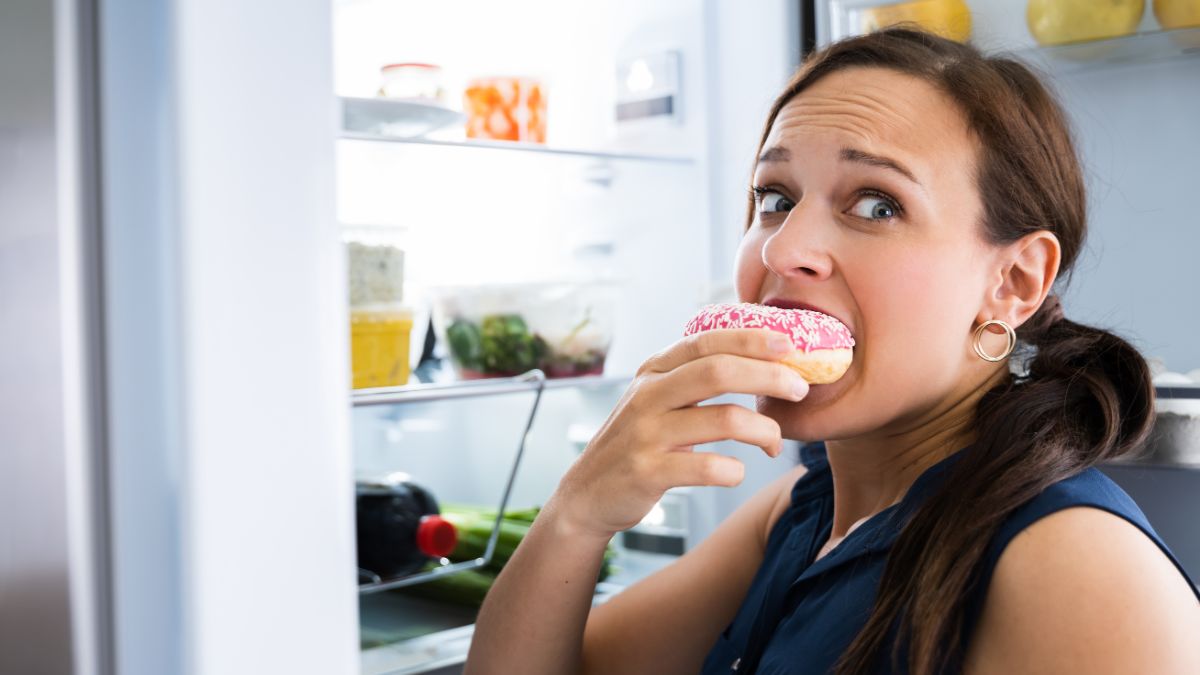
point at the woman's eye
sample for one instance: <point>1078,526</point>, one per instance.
<point>873,207</point>
<point>770,201</point>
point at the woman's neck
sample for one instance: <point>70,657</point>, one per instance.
<point>871,473</point>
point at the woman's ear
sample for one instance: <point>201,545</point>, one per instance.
<point>1026,271</point>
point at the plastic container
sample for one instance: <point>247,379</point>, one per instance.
<point>380,323</point>
<point>379,346</point>
<point>506,109</point>
<point>412,82</point>
<point>564,328</point>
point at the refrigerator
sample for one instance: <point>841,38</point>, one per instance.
<point>178,182</point>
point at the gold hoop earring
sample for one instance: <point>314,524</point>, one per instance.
<point>1012,340</point>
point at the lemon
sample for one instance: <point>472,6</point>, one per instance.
<point>1177,13</point>
<point>1056,22</point>
<point>948,18</point>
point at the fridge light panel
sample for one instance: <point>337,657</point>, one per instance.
<point>648,88</point>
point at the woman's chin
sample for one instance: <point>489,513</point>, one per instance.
<point>811,418</point>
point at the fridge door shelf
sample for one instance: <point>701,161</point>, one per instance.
<point>1144,47</point>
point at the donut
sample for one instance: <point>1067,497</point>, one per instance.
<point>823,345</point>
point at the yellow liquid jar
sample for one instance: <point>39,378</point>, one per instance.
<point>379,350</point>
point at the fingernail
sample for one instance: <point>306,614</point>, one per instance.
<point>800,387</point>
<point>780,344</point>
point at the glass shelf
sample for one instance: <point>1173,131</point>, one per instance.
<point>1144,47</point>
<point>382,120</point>
<point>514,146</point>
<point>405,634</point>
<point>412,393</point>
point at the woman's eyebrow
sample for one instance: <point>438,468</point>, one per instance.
<point>778,153</point>
<point>775,153</point>
<point>854,155</point>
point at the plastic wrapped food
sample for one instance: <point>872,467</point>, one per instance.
<point>506,109</point>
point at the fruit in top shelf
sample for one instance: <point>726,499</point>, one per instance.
<point>1056,22</point>
<point>1177,13</point>
<point>948,18</point>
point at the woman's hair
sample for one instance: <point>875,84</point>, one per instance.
<point>1086,394</point>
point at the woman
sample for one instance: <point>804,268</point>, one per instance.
<point>928,197</point>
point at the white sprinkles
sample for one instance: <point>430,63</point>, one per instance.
<point>808,329</point>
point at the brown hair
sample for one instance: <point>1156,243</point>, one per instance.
<point>1085,395</point>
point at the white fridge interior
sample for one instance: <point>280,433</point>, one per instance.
<point>655,205</point>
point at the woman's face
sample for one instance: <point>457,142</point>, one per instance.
<point>867,209</point>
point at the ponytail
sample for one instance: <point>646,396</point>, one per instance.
<point>1087,398</point>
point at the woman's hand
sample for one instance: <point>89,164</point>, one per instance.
<point>645,447</point>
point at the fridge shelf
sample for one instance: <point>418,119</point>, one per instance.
<point>412,393</point>
<point>1144,47</point>
<point>534,381</point>
<point>517,146</point>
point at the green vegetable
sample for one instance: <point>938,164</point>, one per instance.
<point>474,532</point>
<point>474,524</point>
<point>525,515</point>
<point>467,587</point>
<point>508,346</point>
<point>465,343</point>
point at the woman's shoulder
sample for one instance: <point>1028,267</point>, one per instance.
<point>1074,567</point>
<point>1088,504</point>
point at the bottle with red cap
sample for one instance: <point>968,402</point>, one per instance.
<point>399,527</point>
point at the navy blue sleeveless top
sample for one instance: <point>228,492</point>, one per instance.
<point>799,616</point>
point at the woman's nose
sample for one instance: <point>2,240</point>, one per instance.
<point>796,249</point>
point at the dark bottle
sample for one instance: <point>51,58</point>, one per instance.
<point>399,528</point>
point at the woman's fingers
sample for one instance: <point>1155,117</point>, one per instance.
<point>711,423</point>
<point>701,468</point>
<point>757,343</point>
<point>710,376</point>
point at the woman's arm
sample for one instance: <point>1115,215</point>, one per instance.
<point>667,622</point>
<point>663,624</point>
<point>533,616</point>
<point>1085,591</point>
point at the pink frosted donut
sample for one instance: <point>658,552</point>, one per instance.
<point>823,344</point>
